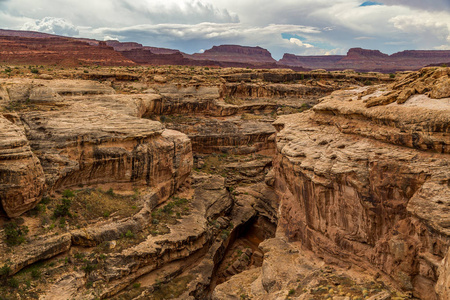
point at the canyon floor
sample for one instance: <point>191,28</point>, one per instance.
<point>183,182</point>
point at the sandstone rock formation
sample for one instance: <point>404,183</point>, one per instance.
<point>82,142</point>
<point>359,193</point>
<point>433,82</point>
<point>21,174</point>
<point>349,192</point>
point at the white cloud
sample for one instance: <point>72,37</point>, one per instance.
<point>52,25</point>
<point>442,47</point>
<point>189,25</point>
<point>364,38</point>
<point>205,35</point>
<point>300,43</point>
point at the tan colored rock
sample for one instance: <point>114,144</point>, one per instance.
<point>404,95</point>
<point>441,88</point>
<point>443,284</point>
<point>159,79</point>
<point>87,139</point>
<point>40,249</point>
<point>346,190</point>
<point>45,76</point>
<point>21,174</point>
<point>436,81</point>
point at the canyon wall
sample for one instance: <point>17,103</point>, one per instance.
<point>363,185</point>
<point>70,141</point>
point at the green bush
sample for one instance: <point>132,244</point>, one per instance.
<point>68,194</point>
<point>4,271</point>
<point>15,234</point>
<point>136,285</point>
<point>34,71</point>
<point>129,234</point>
<point>88,268</point>
<point>62,210</point>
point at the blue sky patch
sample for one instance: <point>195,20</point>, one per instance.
<point>371,3</point>
<point>288,36</point>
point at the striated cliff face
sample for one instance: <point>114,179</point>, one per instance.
<point>370,185</point>
<point>21,175</point>
<point>76,142</point>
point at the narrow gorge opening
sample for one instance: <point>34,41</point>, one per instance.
<point>243,250</point>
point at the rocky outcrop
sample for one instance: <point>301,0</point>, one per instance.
<point>21,174</point>
<point>432,82</point>
<point>102,140</point>
<point>348,191</point>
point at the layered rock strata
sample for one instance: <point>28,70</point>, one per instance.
<point>77,142</point>
<point>350,191</point>
<point>21,174</point>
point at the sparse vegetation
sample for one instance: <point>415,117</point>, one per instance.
<point>15,234</point>
<point>63,209</point>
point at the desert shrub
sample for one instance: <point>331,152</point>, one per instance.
<point>68,194</point>
<point>62,210</point>
<point>88,268</point>
<point>15,234</point>
<point>34,71</point>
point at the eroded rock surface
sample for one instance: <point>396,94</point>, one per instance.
<point>349,192</point>
<point>359,194</point>
<point>21,174</point>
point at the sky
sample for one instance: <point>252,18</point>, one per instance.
<point>302,27</point>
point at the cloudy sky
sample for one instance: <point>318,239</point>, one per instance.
<point>304,27</point>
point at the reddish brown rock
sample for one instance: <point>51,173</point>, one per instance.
<point>369,60</point>
<point>236,53</point>
<point>57,50</point>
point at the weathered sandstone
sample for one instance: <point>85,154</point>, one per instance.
<point>21,174</point>
<point>348,191</point>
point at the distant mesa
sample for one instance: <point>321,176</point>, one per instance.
<point>236,53</point>
<point>28,47</point>
<point>364,60</point>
